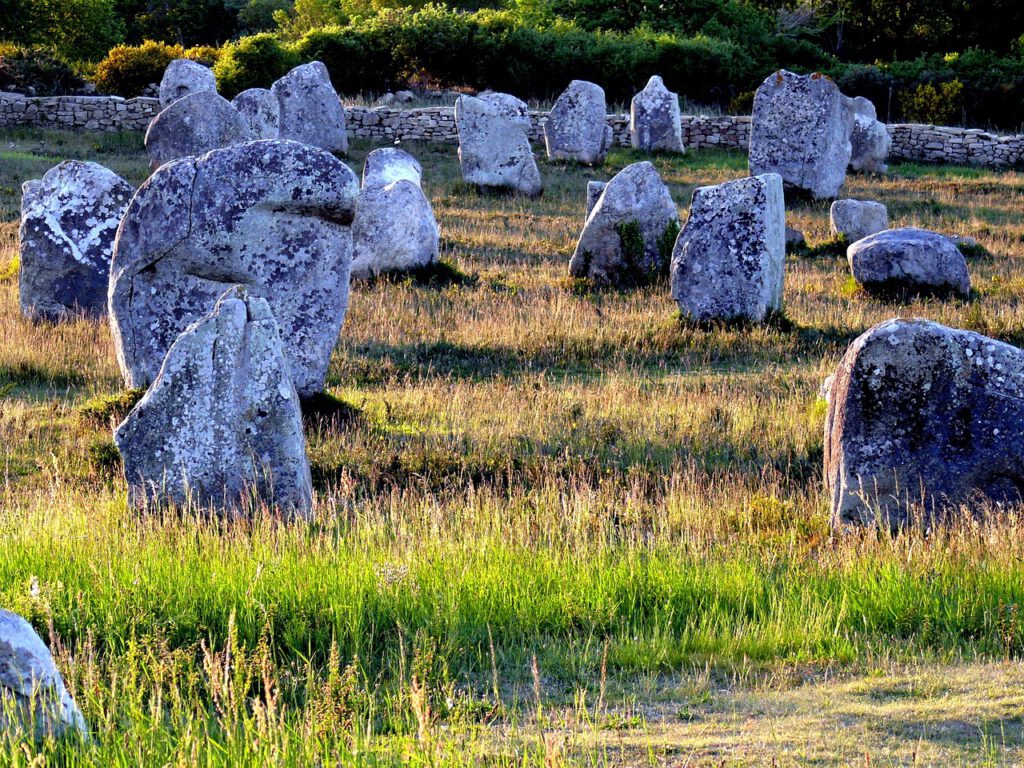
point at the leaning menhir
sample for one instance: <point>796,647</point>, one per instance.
<point>311,112</point>
<point>494,151</point>
<point>577,126</point>
<point>184,77</point>
<point>271,215</point>
<point>68,223</point>
<point>923,418</point>
<point>654,120</point>
<point>192,126</point>
<point>800,130</point>
<point>729,260</point>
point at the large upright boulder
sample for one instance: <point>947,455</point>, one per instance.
<point>923,418</point>
<point>192,126</point>
<point>909,260</point>
<point>261,112</point>
<point>394,230</point>
<point>729,261</point>
<point>494,150</point>
<point>68,223</point>
<point>389,164</point>
<point>311,112</point>
<point>628,235</point>
<point>577,126</point>
<point>870,141</point>
<point>271,215</point>
<point>183,78</point>
<point>32,691</point>
<point>801,130</point>
<point>654,120</point>
<point>221,425</point>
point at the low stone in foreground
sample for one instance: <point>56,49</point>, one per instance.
<point>494,151</point>
<point>909,260</point>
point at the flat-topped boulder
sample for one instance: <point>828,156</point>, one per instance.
<point>192,126</point>
<point>311,112</point>
<point>800,129</point>
<point>654,120</point>
<point>221,425</point>
<point>271,215</point>
<point>856,219</point>
<point>261,112</point>
<point>921,419</point>
<point>394,230</point>
<point>909,260</point>
<point>68,223</point>
<point>389,164</point>
<point>577,127</point>
<point>494,151</point>
<point>184,77</point>
<point>870,141</point>
<point>729,261</point>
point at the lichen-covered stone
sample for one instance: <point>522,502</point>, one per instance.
<point>183,78</point>
<point>856,219</point>
<point>629,232</point>
<point>577,127</point>
<point>394,230</point>
<point>870,141</point>
<point>729,260</point>
<point>922,418</point>
<point>801,130</point>
<point>221,425</point>
<point>193,126</point>
<point>911,260</point>
<point>509,106</point>
<point>654,119</point>
<point>311,112</point>
<point>68,223</point>
<point>261,112</point>
<point>494,151</point>
<point>389,164</point>
<point>271,215</point>
<point>32,691</point>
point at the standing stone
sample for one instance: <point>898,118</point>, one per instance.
<point>577,127</point>
<point>801,130</point>
<point>394,230</point>
<point>221,424</point>
<point>271,215</point>
<point>68,223</point>
<point>389,164</point>
<point>922,418</point>
<point>494,150</point>
<point>909,260</point>
<point>193,126</point>
<point>594,191</point>
<point>32,691</point>
<point>729,260</point>
<point>311,112</point>
<point>261,112</point>
<point>628,235</point>
<point>509,106</point>
<point>183,78</point>
<point>654,120</point>
<point>856,219</point>
<point>870,140</point>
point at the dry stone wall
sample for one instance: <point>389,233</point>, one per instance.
<point>922,143</point>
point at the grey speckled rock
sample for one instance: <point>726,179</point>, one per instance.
<point>68,223</point>
<point>628,235</point>
<point>509,106</point>
<point>311,112</point>
<point>261,112</point>
<point>654,122</point>
<point>801,130</point>
<point>856,219</point>
<point>31,687</point>
<point>577,127</point>
<point>389,164</point>
<point>494,151</point>
<point>794,238</point>
<point>183,78</point>
<point>394,230</point>
<point>870,141</point>
<point>221,424</point>
<point>271,215</point>
<point>916,410</point>
<point>192,126</point>
<point>729,260</point>
<point>909,259</point>
<point>594,191</point>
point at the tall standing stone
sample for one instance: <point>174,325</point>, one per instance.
<point>508,106</point>
<point>389,164</point>
<point>261,112</point>
<point>183,78</point>
<point>654,119</point>
<point>311,112</point>
<point>394,230</point>
<point>494,150</point>
<point>870,140</point>
<point>193,126</point>
<point>577,126</point>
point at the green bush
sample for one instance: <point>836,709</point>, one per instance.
<point>252,62</point>
<point>76,30</point>
<point>940,105</point>
<point>36,70</point>
<point>128,69</point>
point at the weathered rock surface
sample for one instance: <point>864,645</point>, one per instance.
<point>221,424</point>
<point>389,164</point>
<point>577,127</point>
<point>801,130</point>
<point>183,78</point>
<point>856,219</point>
<point>509,106</point>
<point>68,223</point>
<point>31,687</point>
<point>193,126</point>
<point>909,260</point>
<point>794,238</point>
<point>311,112</point>
<point>494,150</point>
<point>394,230</point>
<point>261,112</point>
<point>729,260</point>
<point>629,232</point>
<point>921,418</point>
<point>271,215</point>
<point>870,141</point>
<point>654,119</point>
<point>594,191</point>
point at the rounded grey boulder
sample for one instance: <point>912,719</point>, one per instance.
<point>184,77</point>
<point>311,112</point>
<point>389,164</point>
<point>577,126</point>
<point>494,151</point>
<point>910,260</point>
<point>193,126</point>
<point>856,219</point>
<point>654,120</point>
<point>261,112</point>
<point>394,230</point>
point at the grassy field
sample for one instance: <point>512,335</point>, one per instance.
<point>556,526</point>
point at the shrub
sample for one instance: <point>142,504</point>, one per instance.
<point>128,69</point>
<point>28,70</point>
<point>252,62</point>
<point>940,105</point>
